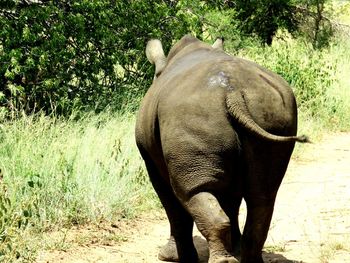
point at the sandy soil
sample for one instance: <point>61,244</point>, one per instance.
<point>311,222</point>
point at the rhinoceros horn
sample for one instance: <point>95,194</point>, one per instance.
<point>155,55</point>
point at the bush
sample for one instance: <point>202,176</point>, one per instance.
<point>56,56</point>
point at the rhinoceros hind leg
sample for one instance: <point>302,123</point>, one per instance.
<point>180,246</point>
<point>214,224</point>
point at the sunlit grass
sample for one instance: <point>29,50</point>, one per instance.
<point>59,172</point>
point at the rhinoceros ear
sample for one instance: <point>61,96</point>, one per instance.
<point>219,44</point>
<point>155,55</point>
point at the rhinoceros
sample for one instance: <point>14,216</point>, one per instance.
<point>214,129</point>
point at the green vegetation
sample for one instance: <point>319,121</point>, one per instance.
<point>59,172</point>
<point>74,160</point>
<point>63,56</point>
<point>59,56</point>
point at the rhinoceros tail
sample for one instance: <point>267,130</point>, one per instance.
<point>238,110</point>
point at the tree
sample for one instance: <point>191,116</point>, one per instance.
<point>263,18</point>
<point>314,23</point>
<point>57,55</point>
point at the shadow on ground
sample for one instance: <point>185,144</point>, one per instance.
<point>203,253</point>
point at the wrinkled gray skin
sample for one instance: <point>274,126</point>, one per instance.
<point>213,129</point>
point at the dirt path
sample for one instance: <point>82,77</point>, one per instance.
<point>311,222</point>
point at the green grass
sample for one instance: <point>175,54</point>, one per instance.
<point>59,172</point>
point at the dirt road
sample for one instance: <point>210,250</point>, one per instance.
<point>311,222</point>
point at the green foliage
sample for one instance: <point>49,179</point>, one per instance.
<point>16,219</point>
<point>263,18</point>
<point>341,10</point>
<point>222,24</point>
<point>60,172</point>
<point>60,55</point>
<point>314,22</point>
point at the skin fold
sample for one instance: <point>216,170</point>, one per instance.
<point>214,129</point>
